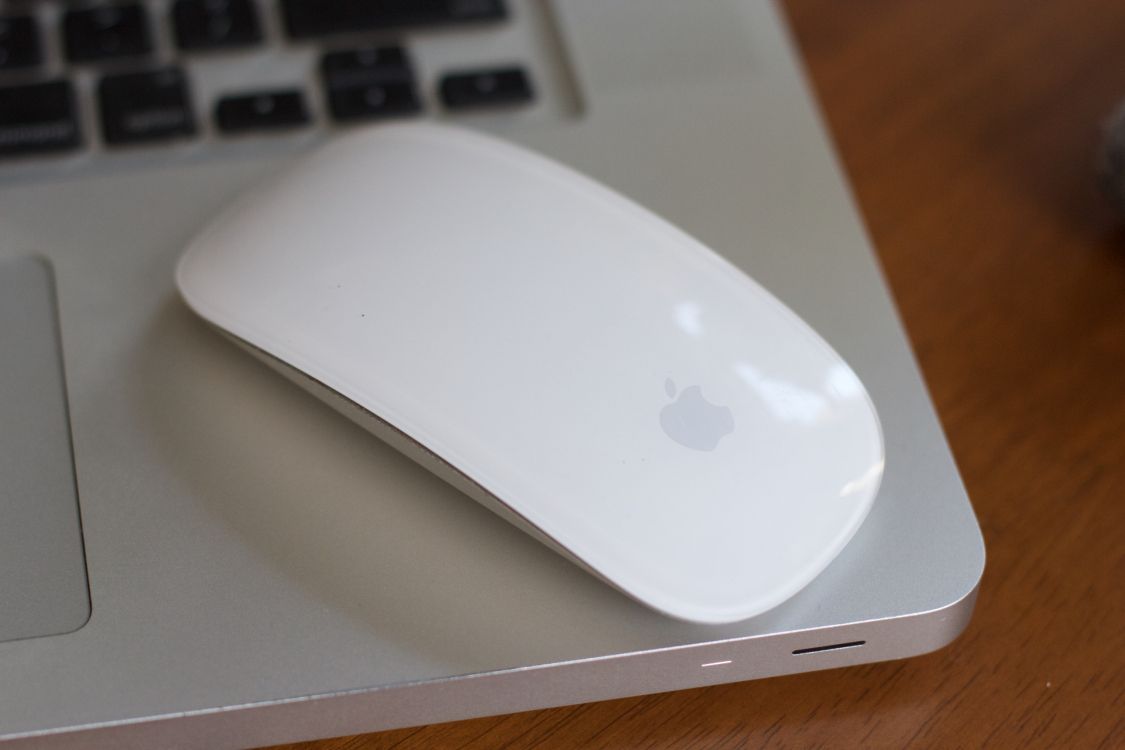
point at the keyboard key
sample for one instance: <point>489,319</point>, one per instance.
<point>144,107</point>
<point>369,83</point>
<point>38,118</point>
<point>215,24</point>
<point>486,88</point>
<point>356,67</point>
<point>19,42</point>
<point>106,32</point>
<point>266,110</point>
<point>372,101</point>
<point>311,18</point>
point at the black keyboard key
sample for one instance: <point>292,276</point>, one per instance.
<point>383,61</point>
<point>19,42</point>
<point>372,101</point>
<point>143,107</point>
<point>106,32</point>
<point>311,18</point>
<point>38,118</point>
<point>486,88</point>
<point>266,110</point>
<point>215,24</point>
<point>369,83</point>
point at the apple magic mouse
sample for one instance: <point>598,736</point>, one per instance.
<point>559,353</point>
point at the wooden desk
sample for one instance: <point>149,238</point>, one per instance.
<point>968,128</point>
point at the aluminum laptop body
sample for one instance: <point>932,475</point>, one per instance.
<point>194,553</point>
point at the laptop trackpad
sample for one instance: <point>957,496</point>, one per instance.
<point>43,588</point>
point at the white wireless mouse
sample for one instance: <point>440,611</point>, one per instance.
<point>559,353</point>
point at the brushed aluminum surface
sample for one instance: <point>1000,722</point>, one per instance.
<point>261,570</point>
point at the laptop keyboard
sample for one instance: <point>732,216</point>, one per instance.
<point>98,78</point>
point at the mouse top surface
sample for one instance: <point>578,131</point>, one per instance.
<point>611,383</point>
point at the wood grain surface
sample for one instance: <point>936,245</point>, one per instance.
<point>968,128</point>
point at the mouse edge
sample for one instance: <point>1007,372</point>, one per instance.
<point>406,445</point>
<point>415,451</point>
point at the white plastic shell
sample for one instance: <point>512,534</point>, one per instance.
<point>602,378</point>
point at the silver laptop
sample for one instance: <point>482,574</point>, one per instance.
<point>194,553</point>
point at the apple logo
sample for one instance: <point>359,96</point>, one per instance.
<point>693,421</point>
